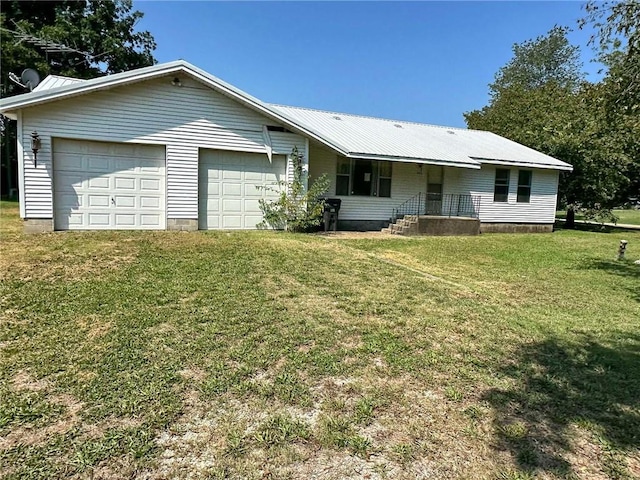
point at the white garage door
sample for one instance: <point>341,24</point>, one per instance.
<point>228,197</point>
<point>108,186</point>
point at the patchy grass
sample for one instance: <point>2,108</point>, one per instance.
<point>625,216</point>
<point>271,355</point>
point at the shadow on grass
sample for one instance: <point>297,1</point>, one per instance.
<point>623,268</point>
<point>587,227</point>
<point>559,385</point>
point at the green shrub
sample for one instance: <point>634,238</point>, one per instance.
<point>297,209</point>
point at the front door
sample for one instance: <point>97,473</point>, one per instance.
<point>434,191</point>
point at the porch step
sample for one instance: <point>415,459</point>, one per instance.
<point>407,225</point>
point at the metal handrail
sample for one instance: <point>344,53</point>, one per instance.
<point>441,205</point>
<point>412,206</point>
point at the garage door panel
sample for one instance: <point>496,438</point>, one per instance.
<point>126,220</point>
<point>147,184</point>
<point>97,164</point>
<point>251,206</point>
<point>232,174</point>
<point>99,219</point>
<point>125,201</point>
<point>231,205</point>
<point>250,221</point>
<point>150,220</point>
<point>100,182</point>
<point>69,162</point>
<point>75,219</point>
<point>231,221</point>
<point>149,202</point>
<point>253,191</point>
<point>103,186</point>
<point>232,189</point>
<point>248,175</point>
<point>122,183</point>
<point>149,168</point>
<point>212,205</point>
<point>271,177</point>
<point>99,200</point>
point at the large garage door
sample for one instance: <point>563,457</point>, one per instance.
<point>108,186</point>
<point>228,197</point>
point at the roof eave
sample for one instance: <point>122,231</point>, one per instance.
<point>517,163</point>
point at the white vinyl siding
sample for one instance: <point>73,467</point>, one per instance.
<point>407,179</point>
<point>541,207</point>
<point>183,119</point>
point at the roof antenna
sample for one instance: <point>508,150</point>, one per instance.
<point>29,78</point>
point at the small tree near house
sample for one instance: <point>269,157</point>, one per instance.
<point>297,208</point>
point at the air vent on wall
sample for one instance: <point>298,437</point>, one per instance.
<point>276,128</point>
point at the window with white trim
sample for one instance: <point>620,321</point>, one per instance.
<point>524,186</point>
<point>369,178</point>
<point>501,187</point>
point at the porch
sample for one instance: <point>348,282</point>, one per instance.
<point>436,214</point>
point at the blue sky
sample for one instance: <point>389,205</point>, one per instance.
<point>418,61</point>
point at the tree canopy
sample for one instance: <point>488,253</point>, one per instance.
<point>100,37</point>
<point>541,99</point>
<point>96,38</point>
<point>536,63</point>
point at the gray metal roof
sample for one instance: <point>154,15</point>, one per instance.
<point>368,137</point>
<point>350,135</point>
<point>55,81</point>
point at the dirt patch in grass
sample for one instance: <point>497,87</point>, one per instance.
<point>24,381</point>
<point>28,435</point>
<point>94,326</point>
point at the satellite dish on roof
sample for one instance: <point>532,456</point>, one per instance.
<point>29,78</point>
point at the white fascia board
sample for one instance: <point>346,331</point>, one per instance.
<point>423,161</point>
<point>20,155</point>
<point>513,163</point>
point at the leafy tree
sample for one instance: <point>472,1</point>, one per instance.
<point>540,99</point>
<point>617,42</point>
<point>101,37</point>
<point>296,209</point>
<point>547,59</point>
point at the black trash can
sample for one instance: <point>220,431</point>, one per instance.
<point>331,210</point>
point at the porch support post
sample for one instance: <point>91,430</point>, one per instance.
<point>305,164</point>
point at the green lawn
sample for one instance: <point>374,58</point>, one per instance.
<point>629,217</point>
<point>267,355</point>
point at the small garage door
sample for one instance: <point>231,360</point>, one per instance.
<point>228,197</point>
<point>108,186</point>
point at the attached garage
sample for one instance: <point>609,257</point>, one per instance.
<point>108,186</point>
<point>228,190</point>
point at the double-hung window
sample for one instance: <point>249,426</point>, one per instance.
<point>501,188</point>
<point>369,178</point>
<point>524,186</point>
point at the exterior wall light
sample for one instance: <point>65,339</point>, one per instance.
<point>36,144</point>
<point>176,82</point>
